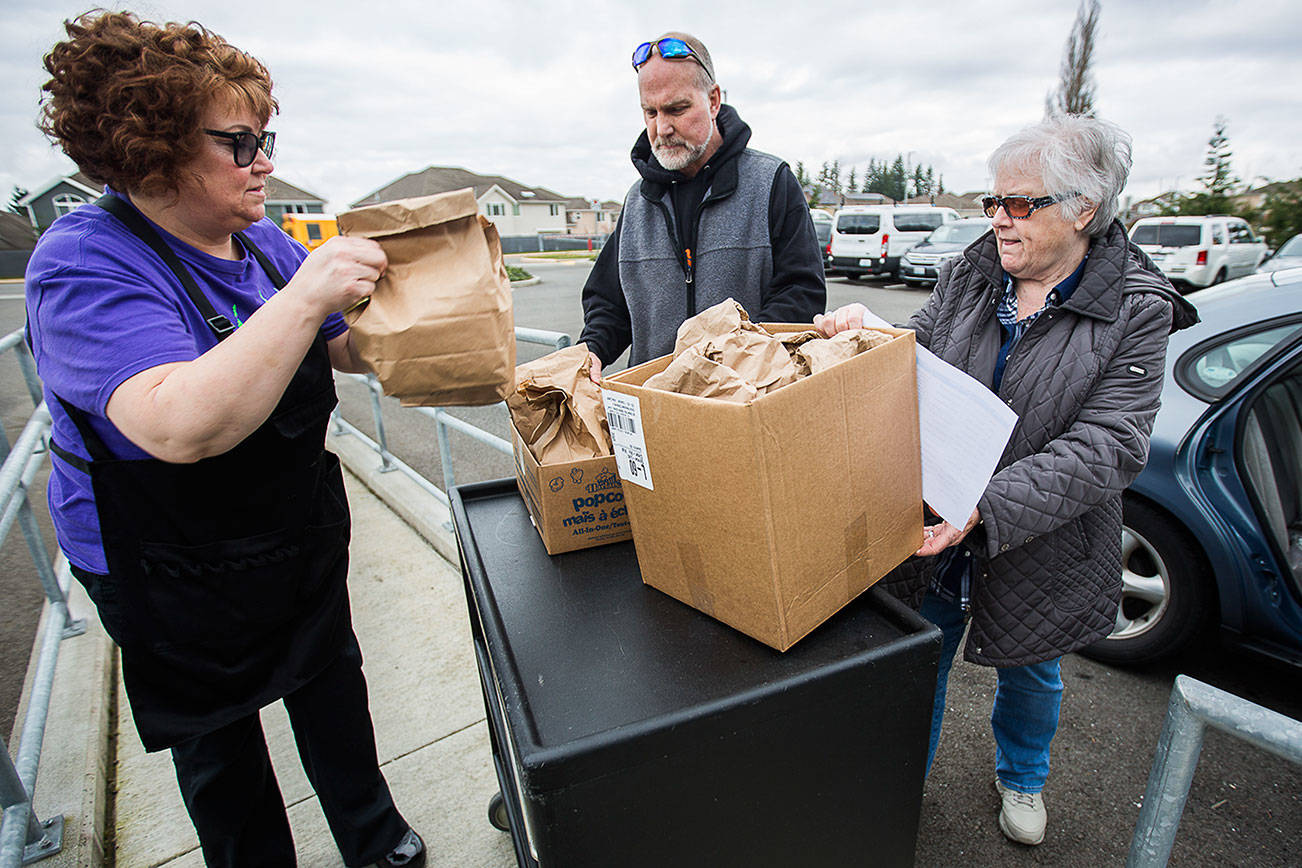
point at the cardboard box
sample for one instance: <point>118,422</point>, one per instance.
<point>574,505</point>
<point>772,515</point>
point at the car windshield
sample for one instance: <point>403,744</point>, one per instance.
<point>823,230</point>
<point>858,224</point>
<point>958,233</point>
<point>917,221</point>
<point>1168,235</point>
<point>1292,247</point>
<point>1213,369</point>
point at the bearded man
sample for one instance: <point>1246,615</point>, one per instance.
<point>710,219</point>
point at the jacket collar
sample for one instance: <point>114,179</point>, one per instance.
<point>721,171</point>
<point>1104,281</point>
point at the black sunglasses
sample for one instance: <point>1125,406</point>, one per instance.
<point>670,49</point>
<point>247,145</point>
<point>1021,207</point>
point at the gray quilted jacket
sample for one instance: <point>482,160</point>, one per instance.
<point>1084,381</point>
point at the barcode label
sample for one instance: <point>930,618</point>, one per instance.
<point>624,424</point>
<point>624,416</point>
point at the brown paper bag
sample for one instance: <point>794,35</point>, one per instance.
<point>692,373</point>
<point>557,409</point>
<point>819,355</point>
<point>439,329</point>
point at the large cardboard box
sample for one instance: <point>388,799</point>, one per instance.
<point>575,505</point>
<point>772,515</point>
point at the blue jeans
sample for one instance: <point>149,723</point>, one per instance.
<point>1027,701</point>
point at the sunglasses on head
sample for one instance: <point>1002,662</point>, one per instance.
<point>670,49</point>
<point>1021,207</point>
<point>247,145</point>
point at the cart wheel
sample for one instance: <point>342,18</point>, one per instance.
<point>497,813</point>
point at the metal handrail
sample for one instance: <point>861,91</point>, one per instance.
<point>1194,706</point>
<point>24,838</point>
<point>443,421</point>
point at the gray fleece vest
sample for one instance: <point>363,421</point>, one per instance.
<point>734,256</point>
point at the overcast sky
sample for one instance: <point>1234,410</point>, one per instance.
<point>543,92</point>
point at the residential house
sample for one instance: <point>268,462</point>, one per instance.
<point>827,199</point>
<point>57,197</point>
<point>285,198</point>
<point>966,204</point>
<point>591,216</point>
<point>47,203</point>
<point>17,239</point>
<point>514,208</point>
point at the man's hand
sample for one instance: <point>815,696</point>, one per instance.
<point>938,537</point>
<point>594,373</point>
<point>840,320</point>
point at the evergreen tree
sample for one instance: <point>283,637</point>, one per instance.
<point>1217,178</point>
<point>920,185</point>
<point>1075,93</point>
<point>896,179</point>
<point>940,186</point>
<point>801,178</point>
<point>851,185</point>
<point>15,198</point>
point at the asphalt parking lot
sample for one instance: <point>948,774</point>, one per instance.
<point>1245,807</point>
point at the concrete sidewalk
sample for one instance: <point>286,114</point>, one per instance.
<point>409,612</point>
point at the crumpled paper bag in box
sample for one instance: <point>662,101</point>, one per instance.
<point>821,354</point>
<point>438,331</point>
<point>693,373</point>
<point>558,409</point>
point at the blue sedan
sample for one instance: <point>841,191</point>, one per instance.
<point>1213,525</point>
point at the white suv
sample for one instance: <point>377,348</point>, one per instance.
<point>1199,251</point>
<point>870,239</point>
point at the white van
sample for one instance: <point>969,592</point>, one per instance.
<point>1199,250</point>
<point>870,239</point>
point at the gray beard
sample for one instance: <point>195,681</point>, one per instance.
<point>677,160</point>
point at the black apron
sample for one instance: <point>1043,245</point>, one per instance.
<point>226,585</point>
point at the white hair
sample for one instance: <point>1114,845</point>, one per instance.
<point>1072,154</point>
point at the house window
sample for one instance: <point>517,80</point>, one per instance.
<point>496,209</point>
<point>67,202</point>
<point>554,209</point>
<point>515,209</point>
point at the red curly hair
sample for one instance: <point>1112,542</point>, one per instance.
<point>126,97</point>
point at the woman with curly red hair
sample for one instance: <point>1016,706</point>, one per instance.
<point>186,346</point>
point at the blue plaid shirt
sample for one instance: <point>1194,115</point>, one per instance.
<point>953,579</point>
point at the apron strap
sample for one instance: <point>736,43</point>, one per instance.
<point>94,444</point>
<point>219,323</point>
<point>272,273</point>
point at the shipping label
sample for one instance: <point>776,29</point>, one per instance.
<point>624,416</point>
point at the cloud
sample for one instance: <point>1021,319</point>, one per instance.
<point>543,93</point>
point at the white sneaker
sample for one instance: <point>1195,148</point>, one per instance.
<point>1022,817</point>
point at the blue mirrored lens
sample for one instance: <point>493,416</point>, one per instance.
<point>672,48</point>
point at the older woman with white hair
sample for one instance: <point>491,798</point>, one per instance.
<point>1060,315</point>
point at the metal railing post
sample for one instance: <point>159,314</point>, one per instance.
<point>1192,707</point>
<point>377,414</point>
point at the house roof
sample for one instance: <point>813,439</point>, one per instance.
<point>958,202</point>
<point>280,190</point>
<point>444,179</point>
<point>77,179</point>
<point>16,232</point>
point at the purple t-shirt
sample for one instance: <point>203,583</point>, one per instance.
<point>102,307</point>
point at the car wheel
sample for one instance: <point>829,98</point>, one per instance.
<point>1166,592</point>
<point>1219,278</point>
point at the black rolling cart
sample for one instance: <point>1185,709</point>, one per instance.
<point>629,729</point>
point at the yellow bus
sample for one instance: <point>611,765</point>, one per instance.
<point>310,230</point>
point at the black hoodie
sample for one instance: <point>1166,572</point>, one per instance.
<point>797,290</point>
